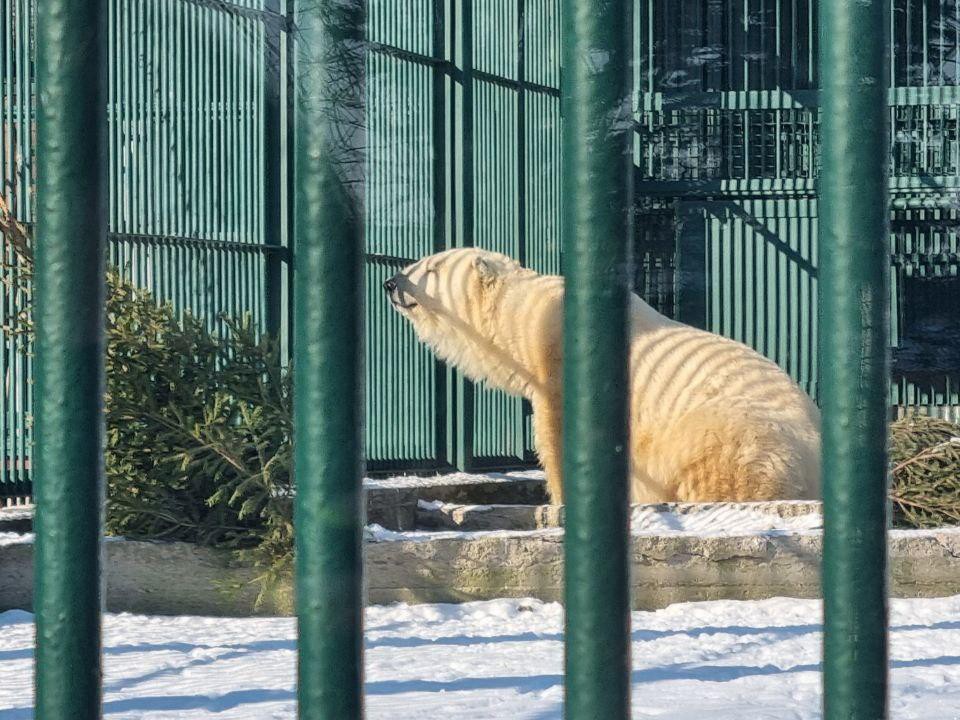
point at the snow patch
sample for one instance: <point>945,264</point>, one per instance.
<point>501,660</point>
<point>377,533</point>
<point>11,538</point>
<point>459,478</point>
<point>721,520</point>
<point>16,512</point>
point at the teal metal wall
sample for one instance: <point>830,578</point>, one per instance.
<point>406,404</point>
<point>196,167</point>
<point>750,273</point>
<point>187,118</point>
<point>464,149</point>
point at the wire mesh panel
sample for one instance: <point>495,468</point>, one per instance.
<point>18,107</point>
<point>539,170</point>
<point>464,150</point>
<point>186,120</point>
<point>654,258</point>
<point>516,174</point>
<point>728,100</point>
<point>498,422</point>
<point>728,124</point>
<point>759,259</point>
<point>16,432</point>
<point>724,91</point>
<point>925,43</point>
<point>925,246</point>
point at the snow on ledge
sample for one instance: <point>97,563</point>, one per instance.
<point>458,478</point>
<point>11,538</point>
<point>722,519</point>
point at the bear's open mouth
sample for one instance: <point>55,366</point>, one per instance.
<point>395,300</point>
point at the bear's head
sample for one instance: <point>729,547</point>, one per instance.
<point>454,300</point>
<point>449,289</point>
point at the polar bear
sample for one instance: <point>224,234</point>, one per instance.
<point>710,418</point>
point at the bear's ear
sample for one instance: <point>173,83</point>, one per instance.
<point>484,269</point>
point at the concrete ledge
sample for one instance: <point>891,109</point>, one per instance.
<point>666,569</point>
<point>439,515</point>
<point>150,578</point>
<point>177,578</point>
<point>446,516</point>
<point>392,502</point>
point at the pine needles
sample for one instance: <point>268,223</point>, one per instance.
<point>925,461</point>
<point>198,422</point>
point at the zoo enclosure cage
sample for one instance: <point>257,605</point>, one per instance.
<point>465,149</point>
<point>328,452</point>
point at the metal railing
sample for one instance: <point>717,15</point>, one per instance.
<point>328,394</point>
<point>855,356</point>
<point>69,317</point>
<point>464,149</point>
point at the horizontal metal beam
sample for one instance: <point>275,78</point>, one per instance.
<point>450,68</point>
<point>779,99</point>
<point>925,191</point>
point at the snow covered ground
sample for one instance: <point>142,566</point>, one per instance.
<point>502,659</point>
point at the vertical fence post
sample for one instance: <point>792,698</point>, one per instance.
<point>464,206</point>
<point>273,128</point>
<point>69,318</point>
<point>328,355</point>
<point>854,291</point>
<point>597,142</point>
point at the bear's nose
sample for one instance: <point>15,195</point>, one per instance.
<point>390,285</point>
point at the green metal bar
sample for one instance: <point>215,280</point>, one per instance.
<point>595,230</point>
<point>8,482</point>
<point>854,286</point>
<point>441,173</point>
<point>273,128</point>
<point>328,355</point>
<point>288,48</point>
<point>465,206</point>
<point>71,233</point>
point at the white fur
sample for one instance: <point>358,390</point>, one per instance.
<point>710,418</point>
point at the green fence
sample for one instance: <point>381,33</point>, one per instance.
<point>460,152</point>
<point>464,148</point>
<point>195,133</point>
<point>17,176</point>
<point>728,124</point>
<point>750,273</point>
<point>73,224</point>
